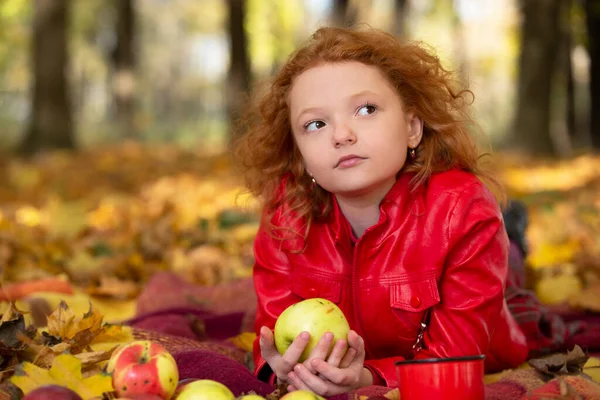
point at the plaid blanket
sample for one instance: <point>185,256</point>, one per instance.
<point>546,331</point>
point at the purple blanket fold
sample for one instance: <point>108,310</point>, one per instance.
<point>200,364</point>
<point>190,322</point>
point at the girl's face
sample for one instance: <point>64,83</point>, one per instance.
<point>351,128</point>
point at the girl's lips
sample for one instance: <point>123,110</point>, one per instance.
<point>347,162</point>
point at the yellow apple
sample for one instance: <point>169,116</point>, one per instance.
<point>315,316</point>
<point>301,395</point>
<point>205,389</point>
<point>251,397</point>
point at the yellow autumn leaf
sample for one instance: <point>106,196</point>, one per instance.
<point>592,368</point>
<point>549,254</point>
<point>111,336</point>
<point>558,289</point>
<point>65,371</point>
<point>588,299</point>
<point>64,324</point>
<point>65,219</point>
<point>244,340</point>
<point>113,310</point>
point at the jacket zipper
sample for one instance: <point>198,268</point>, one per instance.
<point>355,283</point>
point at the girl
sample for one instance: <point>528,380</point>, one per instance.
<point>374,199</point>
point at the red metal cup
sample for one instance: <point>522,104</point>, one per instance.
<point>441,378</point>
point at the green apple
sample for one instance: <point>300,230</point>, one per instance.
<point>301,395</point>
<point>251,397</point>
<point>205,389</point>
<point>315,316</point>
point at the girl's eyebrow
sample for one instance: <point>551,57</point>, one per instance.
<point>308,110</point>
<point>363,93</point>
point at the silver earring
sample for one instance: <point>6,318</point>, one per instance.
<point>413,153</point>
<point>313,181</point>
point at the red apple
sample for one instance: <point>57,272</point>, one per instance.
<point>52,392</point>
<point>143,368</point>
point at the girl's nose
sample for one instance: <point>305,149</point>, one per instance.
<point>343,135</point>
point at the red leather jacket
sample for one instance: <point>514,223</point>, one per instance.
<point>442,247</point>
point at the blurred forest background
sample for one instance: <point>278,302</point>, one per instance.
<point>83,73</point>
<point>115,121</point>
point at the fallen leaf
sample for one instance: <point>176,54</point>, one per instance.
<point>93,357</point>
<point>8,391</point>
<point>244,340</point>
<point>114,287</point>
<point>65,371</point>
<point>592,369</point>
<point>12,335</point>
<point>588,299</point>
<point>64,324</point>
<point>570,363</point>
<point>558,289</point>
<point>393,394</point>
<point>65,219</point>
<point>12,325</point>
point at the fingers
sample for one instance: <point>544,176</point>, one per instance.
<point>358,344</point>
<point>337,354</point>
<point>320,351</point>
<point>348,358</point>
<point>293,353</point>
<point>302,379</point>
<point>268,350</point>
<point>281,364</point>
<point>348,373</point>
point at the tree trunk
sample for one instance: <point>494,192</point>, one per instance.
<point>460,45</point>
<point>540,38</point>
<point>592,9</point>
<point>344,14</point>
<point>239,67</point>
<point>400,18</point>
<point>51,125</point>
<point>123,58</point>
<point>567,64</point>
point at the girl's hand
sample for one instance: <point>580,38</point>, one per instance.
<point>334,379</point>
<point>281,364</point>
<point>341,356</point>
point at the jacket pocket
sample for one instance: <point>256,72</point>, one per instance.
<point>409,301</point>
<point>414,296</point>
<point>308,286</point>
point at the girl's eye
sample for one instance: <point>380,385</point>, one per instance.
<point>366,109</point>
<point>313,126</point>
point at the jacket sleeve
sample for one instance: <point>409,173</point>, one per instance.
<point>472,313</point>
<point>271,282</point>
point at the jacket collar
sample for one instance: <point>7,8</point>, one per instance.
<point>400,196</point>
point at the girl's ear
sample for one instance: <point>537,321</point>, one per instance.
<point>415,130</point>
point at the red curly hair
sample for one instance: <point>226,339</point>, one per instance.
<point>268,155</point>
